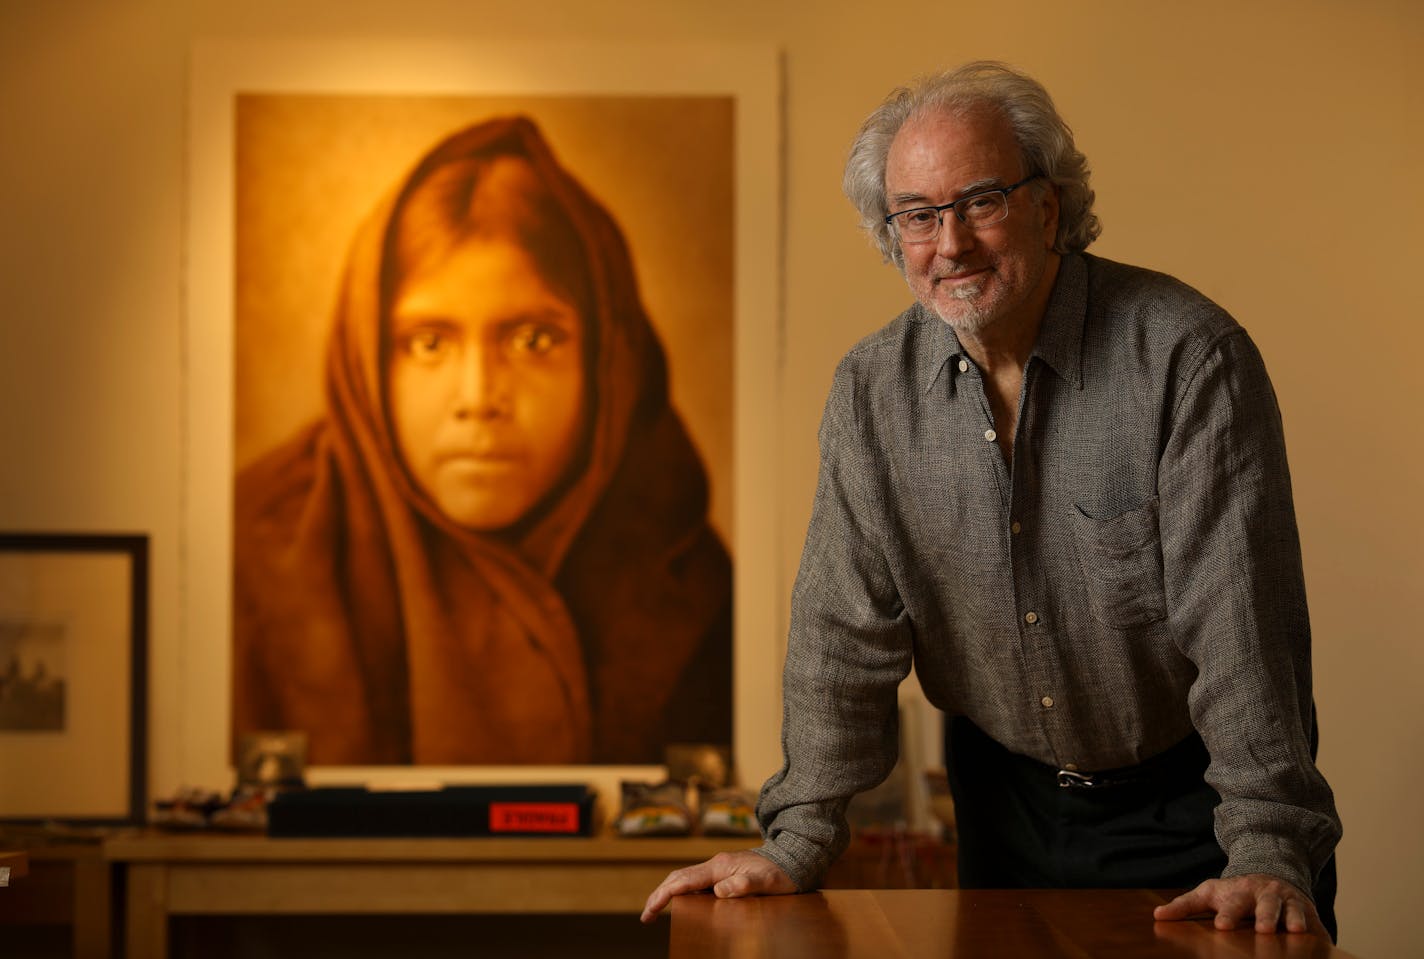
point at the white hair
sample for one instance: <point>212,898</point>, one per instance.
<point>1045,142</point>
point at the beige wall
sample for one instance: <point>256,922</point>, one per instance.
<point>1267,152</point>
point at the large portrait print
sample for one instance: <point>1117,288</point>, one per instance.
<point>473,519</point>
<point>480,355</point>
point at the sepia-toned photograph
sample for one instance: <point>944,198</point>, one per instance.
<point>32,680</point>
<point>32,675</point>
<point>482,445</point>
<point>272,759</point>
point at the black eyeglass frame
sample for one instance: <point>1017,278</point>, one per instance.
<point>940,210</point>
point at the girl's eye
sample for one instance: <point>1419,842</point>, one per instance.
<point>426,345</point>
<point>537,338</point>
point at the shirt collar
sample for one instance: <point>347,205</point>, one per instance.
<point>940,346</point>
<point>1060,336</point>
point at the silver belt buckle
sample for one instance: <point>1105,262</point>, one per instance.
<point>1068,779</point>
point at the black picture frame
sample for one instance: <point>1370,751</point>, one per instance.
<point>84,597</point>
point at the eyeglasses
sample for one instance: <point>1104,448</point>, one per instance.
<point>984,208</point>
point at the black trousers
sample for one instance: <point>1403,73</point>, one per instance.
<point>1151,828</point>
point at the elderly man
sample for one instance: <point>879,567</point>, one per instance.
<point>1057,485</point>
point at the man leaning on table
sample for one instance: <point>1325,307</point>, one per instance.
<point>1057,485</point>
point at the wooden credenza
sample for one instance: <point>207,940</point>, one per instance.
<point>168,875</point>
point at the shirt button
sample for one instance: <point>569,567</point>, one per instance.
<point>1015,528</point>
<point>963,366</point>
<point>1047,702</point>
<point>1030,618</point>
<point>990,435</point>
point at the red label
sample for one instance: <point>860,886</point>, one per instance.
<point>534,817</point>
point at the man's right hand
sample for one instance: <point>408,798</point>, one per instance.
<point>729,875</point>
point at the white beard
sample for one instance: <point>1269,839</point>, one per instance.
<point>969,317</point>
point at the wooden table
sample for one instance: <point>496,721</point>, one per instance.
<point>168,875</point>
<point>68,885</point>
<point>962,924</point>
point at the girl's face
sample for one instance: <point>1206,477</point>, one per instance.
<point>486,382</point>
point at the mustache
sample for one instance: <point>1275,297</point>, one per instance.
<point>954,269</point>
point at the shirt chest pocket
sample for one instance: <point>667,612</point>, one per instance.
<point>1121,559</point>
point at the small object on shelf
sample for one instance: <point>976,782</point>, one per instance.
<point>245,810</point>
<point>699,764</point>
<point>189,808</point>
<point>727,812</point>
<point>194,808</point>
<point>654,809</point>
<point>274,758</point>
<point>448,811</point>
<point>13,862</point>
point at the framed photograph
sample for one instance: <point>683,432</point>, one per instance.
<point>709,765</point>
<point>464,612</point>
<point>272,758</point>
<point>73,677</point>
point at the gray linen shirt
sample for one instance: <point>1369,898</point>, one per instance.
<point>1133,575</point>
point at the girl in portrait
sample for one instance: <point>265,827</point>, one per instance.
<point>493,546</point>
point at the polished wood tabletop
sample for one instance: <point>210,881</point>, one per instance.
<point>962,924</point>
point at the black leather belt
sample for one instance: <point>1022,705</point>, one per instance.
<point>1072,779</point>
<point>1187,758</point>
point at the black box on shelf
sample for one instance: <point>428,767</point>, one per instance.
<point>452,811</point>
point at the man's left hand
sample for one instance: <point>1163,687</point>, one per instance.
<point>1273,902</point>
